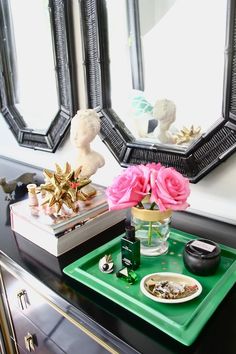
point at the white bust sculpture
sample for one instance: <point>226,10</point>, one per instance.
<point>84,127</point>
<point>165,112</point>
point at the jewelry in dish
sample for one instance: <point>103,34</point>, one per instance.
<point>170,287</point>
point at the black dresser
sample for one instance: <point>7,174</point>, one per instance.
<point>44,311</point>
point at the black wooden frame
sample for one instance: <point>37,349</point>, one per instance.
<point>62,36</point>
<point>212,148</point>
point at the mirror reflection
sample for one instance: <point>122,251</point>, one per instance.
<point>36,94</point>
<point>182,45</point>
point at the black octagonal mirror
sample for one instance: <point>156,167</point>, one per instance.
<point>162,81</point>
<point>37,92</point>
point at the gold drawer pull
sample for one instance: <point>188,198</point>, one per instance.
<point>22,299</point>
<point>29,342</point>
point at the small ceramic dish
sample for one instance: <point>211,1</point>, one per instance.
<point>189,287</point>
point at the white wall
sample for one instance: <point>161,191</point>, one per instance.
<point>214,195</point>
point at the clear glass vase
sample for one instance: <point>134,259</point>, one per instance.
<point>153,229</point>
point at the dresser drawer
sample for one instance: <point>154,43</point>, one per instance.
<point>29,303</point>
<point>31,313</point>
<point>30,339</point>
<point>68,338</point>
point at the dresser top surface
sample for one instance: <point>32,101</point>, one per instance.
<point>216,337</point>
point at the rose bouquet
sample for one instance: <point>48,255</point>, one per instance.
<point>151,186</point>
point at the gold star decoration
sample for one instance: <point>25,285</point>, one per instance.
<point>185,135</point>
<point>64,186</point>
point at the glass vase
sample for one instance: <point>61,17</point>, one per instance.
<point>153,229</point>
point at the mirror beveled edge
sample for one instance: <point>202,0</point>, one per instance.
<point>62,37</point>
<point>212,148</point>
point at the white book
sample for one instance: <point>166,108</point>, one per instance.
<point>46,220</point>
<point>58,245</point>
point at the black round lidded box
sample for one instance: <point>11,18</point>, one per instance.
<point>201,257</point>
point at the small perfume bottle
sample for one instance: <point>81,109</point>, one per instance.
<point>32,196</point>
<point>130,248</point>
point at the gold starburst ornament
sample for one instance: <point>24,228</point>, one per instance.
<point>187,134</point>
<point>65,186</point>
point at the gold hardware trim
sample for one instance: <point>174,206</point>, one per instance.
<point>4,315</point>
<point>29,342</point>
<point>22,299</point>
<point>64,314</point>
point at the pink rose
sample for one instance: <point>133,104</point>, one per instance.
<point>129,188</point>
<point>169,189</point>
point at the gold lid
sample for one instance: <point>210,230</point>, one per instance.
<point>150,215</point>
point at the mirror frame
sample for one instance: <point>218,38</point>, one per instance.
<point>63,50</point>
<point>202,156</point>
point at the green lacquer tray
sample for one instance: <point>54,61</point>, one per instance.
<point>182,321</point>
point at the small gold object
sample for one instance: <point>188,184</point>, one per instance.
<point>22,299</point>
<point>29,342</point>
<point>186,134</point>
<point>88,191</point>
<point>64,186</point>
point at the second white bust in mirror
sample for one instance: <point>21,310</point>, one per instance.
<point>165,112</point>
<point>84,127</point>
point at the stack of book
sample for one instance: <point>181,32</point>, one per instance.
<point>59,234</point>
